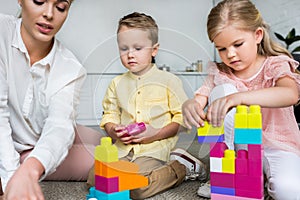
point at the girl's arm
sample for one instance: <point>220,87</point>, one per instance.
<point>283,94</point>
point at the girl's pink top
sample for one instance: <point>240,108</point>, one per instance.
<point>280,129</point>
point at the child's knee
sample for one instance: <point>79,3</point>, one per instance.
<point>286,189</point>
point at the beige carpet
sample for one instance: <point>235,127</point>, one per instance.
<point>78,191</point>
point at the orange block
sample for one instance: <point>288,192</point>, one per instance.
<point>126,171</point>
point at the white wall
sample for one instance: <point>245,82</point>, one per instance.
<point>90,29</point>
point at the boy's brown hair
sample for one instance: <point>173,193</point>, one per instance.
<point>140,21</point>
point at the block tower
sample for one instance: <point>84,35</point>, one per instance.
<point>113,178</point>
<point>236,176</point>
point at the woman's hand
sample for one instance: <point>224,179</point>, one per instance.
<point>193,113</point>
<point>24,184</point>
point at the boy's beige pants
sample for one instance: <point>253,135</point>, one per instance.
<point>161,176</point>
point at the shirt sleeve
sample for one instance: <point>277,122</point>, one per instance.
<point>281,66</point>
<point>111,109</point>
<point>9,157</point>
<point>177,97</point>
<point>58,133</point>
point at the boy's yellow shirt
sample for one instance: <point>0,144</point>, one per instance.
<point>154,98</point>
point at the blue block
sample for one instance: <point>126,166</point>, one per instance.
<point>211,139</point>
<point>96,194</point>
<point>222,190</point>
<point>247,136</point>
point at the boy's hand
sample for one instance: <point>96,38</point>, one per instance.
<point>193,114</point>
<point>146,136</point>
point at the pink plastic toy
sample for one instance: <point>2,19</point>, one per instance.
<point>134,129</point>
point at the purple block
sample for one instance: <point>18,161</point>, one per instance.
<point>222,179</point>
<point>210,139</point>
<point>107,185</point>
<point>241,162</point>
<point>222,190</point>
<point>217,149</point>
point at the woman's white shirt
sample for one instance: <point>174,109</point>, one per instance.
<point>37,103</point>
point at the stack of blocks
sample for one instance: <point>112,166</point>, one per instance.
<point>113,178</point>
<point>236,177</point>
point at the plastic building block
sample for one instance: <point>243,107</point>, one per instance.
<point>254,117</point>
<point>255,151</point>
<point>107,185</point>
<point>98,195</point>
<point>228,197</point>
<point>134,129</point>
<point>247,136</point>
<point>222,179</point>
<point>209,130</point>
<point>217,149</point>
<point>241,162</point>
<point>222,190</point>
<point>106,151</point>
<point>215,164</point>
<point>126,171</point>
<point>210,139</point>
<point>228,161</point>
<point>241,117</point>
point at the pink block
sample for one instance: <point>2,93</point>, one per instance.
<point>249,194</point>
<point>221,197</point>
<point>251,183</point>
<point>241,162</point>
<point>227,197</point>
<point>222,179</point>
<point>255,167</point>
<point>255,151</point>
<point>107,185</point>
<point>217,149</point>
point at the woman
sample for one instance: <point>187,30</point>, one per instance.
<point>40,86</point>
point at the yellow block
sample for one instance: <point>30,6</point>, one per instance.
<point>254,117</point>
<point>106,151</point>
<point>241,117</point>
<point>209,130</point>
<point>228,161</point>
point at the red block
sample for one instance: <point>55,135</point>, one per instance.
<point>251,183</point>
<point>241,162</point>
<point>107,185</point>
<point>222,179</point>
<point>217,149</point>
<point>255,151</point>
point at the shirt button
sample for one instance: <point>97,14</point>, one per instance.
<point>139,92</point>
<point>138,112</point>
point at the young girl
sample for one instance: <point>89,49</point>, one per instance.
<point>40,85</point>
<point>254,70</point>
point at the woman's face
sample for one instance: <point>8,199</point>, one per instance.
<point>42,19</point>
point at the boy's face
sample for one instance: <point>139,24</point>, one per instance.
<point>136,49</point>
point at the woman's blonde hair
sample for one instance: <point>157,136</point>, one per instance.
<point>243,15</point>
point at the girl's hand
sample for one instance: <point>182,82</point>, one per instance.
<point>193,113</point>
<point>218,109</point>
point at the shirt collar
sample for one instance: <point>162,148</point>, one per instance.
<point>19,44</point>
<point>152,70</point>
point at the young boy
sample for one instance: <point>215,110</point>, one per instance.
<point>147,94</point>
